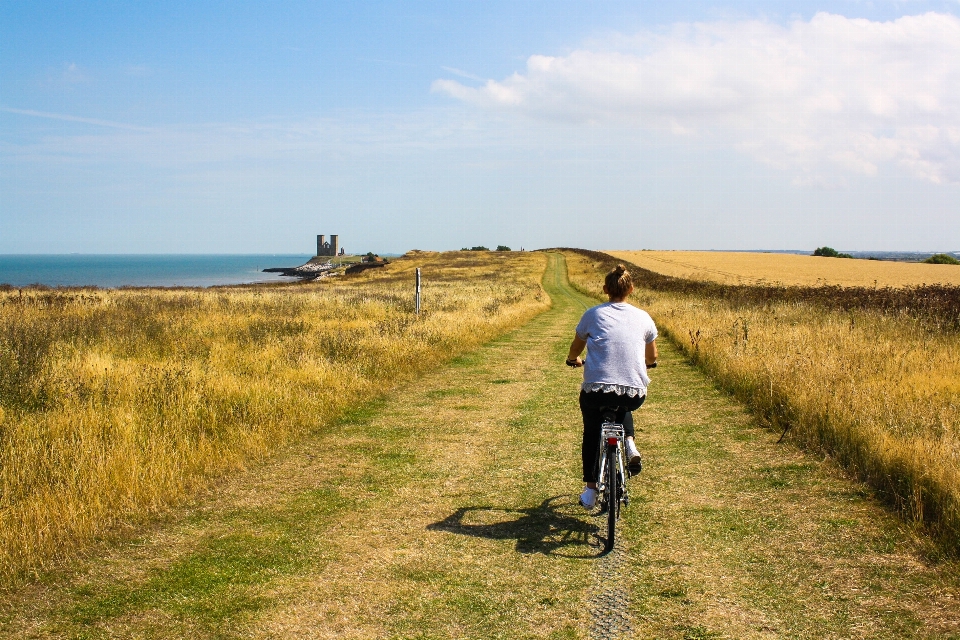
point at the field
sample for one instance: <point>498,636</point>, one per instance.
<point>447,508</point>
<point>789,269</point>
<point>115,405</point>
<point>875,388</point>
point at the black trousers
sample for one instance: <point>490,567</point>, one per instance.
<point>590,404</point>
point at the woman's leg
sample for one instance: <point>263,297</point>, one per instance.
<point>625,415</point>
<point>590,447</point>
<point>627,422</point>
<point>590,404</point>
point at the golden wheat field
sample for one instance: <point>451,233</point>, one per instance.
<point>730,267</point>
<point>115,405</point>
<point>878,392</point>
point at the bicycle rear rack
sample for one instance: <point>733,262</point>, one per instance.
<point>611,430</point>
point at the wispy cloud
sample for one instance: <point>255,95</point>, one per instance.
<point>463,74</point>
<point>815,95</point>
<point>137,70</point>
<point>69,118</point>
<point>398,63</point>
<point>73,74</point>
<point>345,135</point>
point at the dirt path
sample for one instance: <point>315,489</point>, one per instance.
<point>448,510</point>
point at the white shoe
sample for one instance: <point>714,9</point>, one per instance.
<point>633,457</point>
<point>588,499</point>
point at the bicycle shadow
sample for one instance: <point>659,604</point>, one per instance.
<point>549,528</point>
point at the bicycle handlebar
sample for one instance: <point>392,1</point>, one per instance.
<point>575,364</point>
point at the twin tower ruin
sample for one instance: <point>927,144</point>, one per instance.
<point>331,248</point>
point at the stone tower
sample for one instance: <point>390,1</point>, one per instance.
<point>331,248</point>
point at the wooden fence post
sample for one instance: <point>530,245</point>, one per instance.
<point>418,290</point>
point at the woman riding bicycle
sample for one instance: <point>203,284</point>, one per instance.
<point>621,343</point>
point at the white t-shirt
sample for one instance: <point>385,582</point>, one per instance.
<point>616,334</point>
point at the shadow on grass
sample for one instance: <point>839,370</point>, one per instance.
<point>549,528</point>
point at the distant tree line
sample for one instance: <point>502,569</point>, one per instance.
<point>500,247</point>
<point>942,258</point>
<point>939,258</point>
<point>828,252</point>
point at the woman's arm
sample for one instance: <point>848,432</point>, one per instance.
<point>576,348</point>
<point>650,354</point>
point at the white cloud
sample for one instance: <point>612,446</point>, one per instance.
<point>811,96</point>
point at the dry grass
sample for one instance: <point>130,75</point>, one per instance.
<point>730,267</point>
<point>448,510</point>
<point>116,404</point>
<point>352,531</point>
<point>879,392</point>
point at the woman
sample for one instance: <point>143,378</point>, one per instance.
<point>621,342</point>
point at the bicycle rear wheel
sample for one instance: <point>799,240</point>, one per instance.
<point>613,496</point>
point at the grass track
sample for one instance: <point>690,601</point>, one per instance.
<point>448,510</point>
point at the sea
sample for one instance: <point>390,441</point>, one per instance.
<point>162,270</point>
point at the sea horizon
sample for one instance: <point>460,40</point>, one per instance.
<point>114,270</point>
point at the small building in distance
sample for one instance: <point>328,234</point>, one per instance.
<point>331,248</point>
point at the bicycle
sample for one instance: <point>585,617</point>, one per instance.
<point>611,483</point>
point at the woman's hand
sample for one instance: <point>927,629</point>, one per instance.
<point>576,348</point>
<point>650,354</point>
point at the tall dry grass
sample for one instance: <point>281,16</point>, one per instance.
<point>115,405</point>
<point>878,391</point>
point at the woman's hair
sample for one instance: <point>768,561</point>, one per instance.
<point>618,282</point>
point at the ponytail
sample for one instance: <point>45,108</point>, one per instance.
<point>618,282</point>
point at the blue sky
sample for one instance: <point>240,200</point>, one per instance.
<point>239,127</point>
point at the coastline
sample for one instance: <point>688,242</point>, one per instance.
<point>319,267</point>
<point>112,271</point>
<point>315,267</point>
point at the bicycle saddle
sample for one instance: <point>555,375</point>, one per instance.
<point>609,413</point>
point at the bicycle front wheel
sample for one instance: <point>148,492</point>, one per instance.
<point>613,495</point>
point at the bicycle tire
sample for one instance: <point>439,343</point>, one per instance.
<point>613,496</point>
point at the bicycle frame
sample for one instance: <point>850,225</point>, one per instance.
<point>611,482</point>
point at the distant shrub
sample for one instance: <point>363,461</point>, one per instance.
<point>828,252</point>
<point>502,247</point>
<point>942,258</point>
<point>480,248</point>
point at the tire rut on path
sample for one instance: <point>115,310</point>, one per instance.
<point>609,597</point>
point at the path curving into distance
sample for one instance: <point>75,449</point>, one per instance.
<point>448,510</point>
